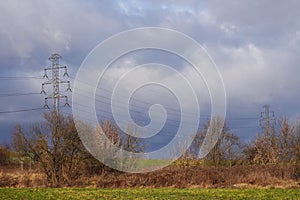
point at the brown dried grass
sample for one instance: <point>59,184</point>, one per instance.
<point>242,176</point>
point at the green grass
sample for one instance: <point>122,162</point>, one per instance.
<point>161,193</point>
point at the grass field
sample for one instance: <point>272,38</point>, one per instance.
<point>162,193</point>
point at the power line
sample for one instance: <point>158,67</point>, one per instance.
<point>18,94</point>
<point>135,99</point>
<point>138,100</point>
<point>242,127</point>
<point>103,89</point>
<point>22,110</point>
<point>166,131</point>
<point>170,123</point>
<point>242,118</point>
<point>147,103</point>
<point>103,98</point>
<point>5,78</point>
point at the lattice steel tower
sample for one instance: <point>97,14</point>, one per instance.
<point>267,121</point>
<point>55,80</point>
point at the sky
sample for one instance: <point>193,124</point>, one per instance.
<point>255,44</point>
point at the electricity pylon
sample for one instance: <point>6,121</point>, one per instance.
<point>55,81</point>
<point>267,121</point>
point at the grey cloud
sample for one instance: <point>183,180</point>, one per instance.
<point>255,43</point>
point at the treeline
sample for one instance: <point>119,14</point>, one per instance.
<point>55,149</point>
<point>275,144</point>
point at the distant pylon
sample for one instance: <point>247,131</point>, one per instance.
<point>55,80</point>
<point>267,121</point>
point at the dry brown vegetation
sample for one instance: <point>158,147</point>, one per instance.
<point>173,176</point>
<point>52,156</point>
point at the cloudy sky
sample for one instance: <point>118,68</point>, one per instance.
<point>255,44</point>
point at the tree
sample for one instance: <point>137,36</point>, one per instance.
<point>4,156</point>
<point>286,140</point>
<point>267,151</point>
<point>296,150</point>
<point>58,150</point>
<point>266,145</point>
<point>55,146</point>
<point>273,146</point>
<point>123,142</point>
<point>18,142</point>
<point>227,147</point>
<point>249,152</point>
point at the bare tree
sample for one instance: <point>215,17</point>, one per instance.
<point>5,155</point>
<point>113,149</point>
<point>267,150</point>
<point>286,140</point>
<point>275,146</point>
<point>227,147</point>
<point>55,146</point>
<point>249,153</point>
<point>188,155</point>
<point>296,150</point>
<point>296,146</point>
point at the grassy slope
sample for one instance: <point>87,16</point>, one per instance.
<point>162,193</point>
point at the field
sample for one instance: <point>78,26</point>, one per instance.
<point>146,193</point>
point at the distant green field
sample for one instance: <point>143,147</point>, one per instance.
<point>161,193</point>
